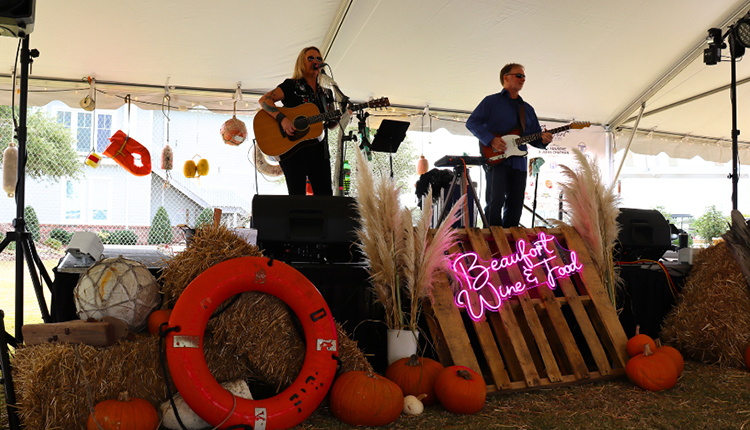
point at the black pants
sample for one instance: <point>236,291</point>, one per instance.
<point>310,161</point>
<point>505,194</point>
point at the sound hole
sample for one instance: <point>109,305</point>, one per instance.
<point>300,123</point>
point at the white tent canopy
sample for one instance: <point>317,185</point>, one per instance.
<point>586,60</point>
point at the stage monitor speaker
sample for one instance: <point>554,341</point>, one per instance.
<point>644,234</point>
<point>17,17</point>
<point>314,229</point>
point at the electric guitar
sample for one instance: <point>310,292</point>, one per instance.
<point>513,141</point>
<point>308,122</point>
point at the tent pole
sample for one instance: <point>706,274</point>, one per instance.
<point>627,148</point>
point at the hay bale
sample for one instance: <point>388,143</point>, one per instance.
<point>711,321</point>
<point>258,326</point>
<point>257,338</point>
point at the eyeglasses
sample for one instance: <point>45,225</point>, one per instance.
<point>311,58</point>
<point>518,75</point>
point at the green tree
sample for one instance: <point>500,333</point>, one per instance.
<point>161,228</point>
<point>404,160</point>
<point>206,217</point>
<point>50,147</point>
<point>32,223</point>
<point>665,213</point>
<point>711,224</point>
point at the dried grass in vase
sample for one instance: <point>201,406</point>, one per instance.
<point>402,258</point>
<point>592,209</point>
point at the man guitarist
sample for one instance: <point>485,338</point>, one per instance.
<point>310,159</point>
<point>502,113</point>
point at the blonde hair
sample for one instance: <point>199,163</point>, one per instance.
<point>299,66</point>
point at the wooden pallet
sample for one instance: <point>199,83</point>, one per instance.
<point>539,338</point>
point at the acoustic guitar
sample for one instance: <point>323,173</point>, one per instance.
<point>513,141</point>
<point>308,122</point>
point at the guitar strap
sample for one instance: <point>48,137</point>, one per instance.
<point>522,115</point>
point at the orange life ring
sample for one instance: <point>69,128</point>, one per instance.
<point>187,362</point>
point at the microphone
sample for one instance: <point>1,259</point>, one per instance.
<point>317,66</point>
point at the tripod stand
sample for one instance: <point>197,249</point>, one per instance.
<point>25,249</point>
<point>461,177</point>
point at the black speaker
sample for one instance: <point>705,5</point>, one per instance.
<point>315,229</point>
<point>17,17</point>
<point>644,234</point>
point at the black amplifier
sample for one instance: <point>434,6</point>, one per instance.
<point>315,229</point>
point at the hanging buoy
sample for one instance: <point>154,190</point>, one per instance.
<point>422,165</point>
<point>10,169</point>
<point>93,160</point>
<point>202,167</point>
<point>166,158</point>
<point>189,169</point>
<point>233,132</point>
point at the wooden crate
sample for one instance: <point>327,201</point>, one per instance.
<point>540,337</point>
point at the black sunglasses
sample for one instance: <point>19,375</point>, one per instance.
<point>518,75</point>
<point>311,58</point>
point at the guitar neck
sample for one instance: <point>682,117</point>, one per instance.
<point>536,136</point>
<point>326,116</point>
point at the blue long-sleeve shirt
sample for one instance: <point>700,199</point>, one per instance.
<point>498,113</point>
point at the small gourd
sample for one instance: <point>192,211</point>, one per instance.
<point>651,371</point>
<point>156,319</point>
<point>635,343</point>
<point>123,413</point>
<point>413,404</point>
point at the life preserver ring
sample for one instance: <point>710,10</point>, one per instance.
<point>187,362</point>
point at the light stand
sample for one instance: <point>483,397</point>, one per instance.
<point>24,241</point>
<point>739,39</point>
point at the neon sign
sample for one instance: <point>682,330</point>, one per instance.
<point>475,274</point>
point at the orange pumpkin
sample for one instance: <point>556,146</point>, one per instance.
<point>416,375</point>
<point>366,399</point>
<point>460,390</point>
<point>672,353</point>
<point>156,319</point>
<point>635,343</point>
<point>125,413</point>
<point>652,371</point>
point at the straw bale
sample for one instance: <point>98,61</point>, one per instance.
<point>711,321</point>
<point>258,326</point>
<point>256,338</point>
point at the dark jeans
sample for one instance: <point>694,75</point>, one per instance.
<point>308,162</point>
<point>505,194</point>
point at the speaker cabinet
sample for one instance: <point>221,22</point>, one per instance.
<point>644,234</point>
<point>316,229</point>
<point>17,17</point>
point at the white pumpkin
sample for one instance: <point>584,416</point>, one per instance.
<point>120,288</point>
<point>190,419</point>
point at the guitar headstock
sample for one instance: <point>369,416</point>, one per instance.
<point>577,125</point>
<point>378,103</point>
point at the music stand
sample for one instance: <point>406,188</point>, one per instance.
<point>390,135</point>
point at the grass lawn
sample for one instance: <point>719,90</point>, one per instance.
<point>31,310</point>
